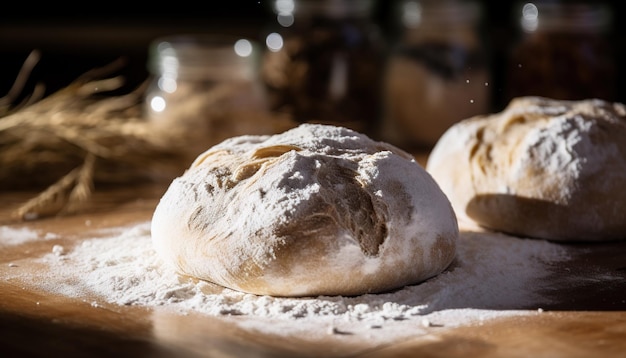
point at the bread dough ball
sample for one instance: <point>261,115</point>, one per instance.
<point>542,168</point>
<point>316,210</point>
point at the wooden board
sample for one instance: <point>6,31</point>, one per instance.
<point>587,319</point>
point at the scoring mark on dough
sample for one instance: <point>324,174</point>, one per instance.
<point>353,206</point>
<point>259,157</point>
<point>197,221</point>
<point>341,205</point>
<point>274,151</point>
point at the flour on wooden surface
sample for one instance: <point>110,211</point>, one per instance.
<point>493,275</point>
<point>11,236</point>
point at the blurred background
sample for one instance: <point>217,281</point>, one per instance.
<point>497,57</point>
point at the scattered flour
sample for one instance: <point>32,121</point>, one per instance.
<point>11,236</point>
<point>493,275</point>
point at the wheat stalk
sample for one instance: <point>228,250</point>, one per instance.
<point>77,137</point>
<point>63,136</point>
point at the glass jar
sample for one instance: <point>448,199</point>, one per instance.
<point>437,72</point>
<point>323,63</point>
<point>563,52</point>
<point>204,89</point>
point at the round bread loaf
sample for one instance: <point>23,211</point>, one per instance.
<point>542,168</point>
<point>316,210</point>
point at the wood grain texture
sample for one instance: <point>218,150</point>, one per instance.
<point>588,317</point>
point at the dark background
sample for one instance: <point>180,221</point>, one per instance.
<point>76,38</point>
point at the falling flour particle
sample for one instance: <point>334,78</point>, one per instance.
<point>493,275</point>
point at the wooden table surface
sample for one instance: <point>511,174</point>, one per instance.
<point>589,320</point>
